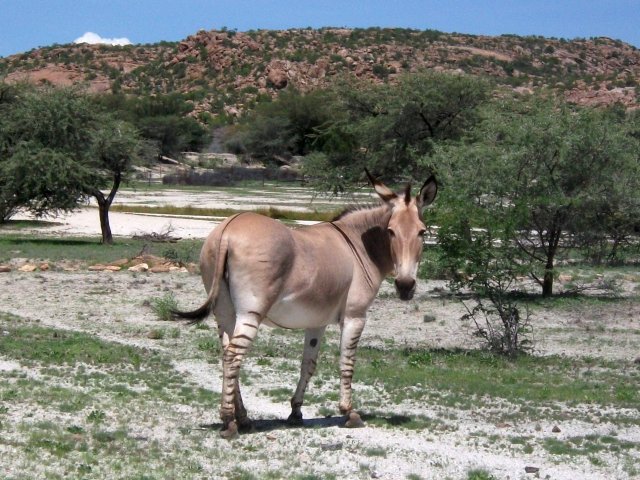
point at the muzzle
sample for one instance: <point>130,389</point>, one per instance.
<point>405,287</point>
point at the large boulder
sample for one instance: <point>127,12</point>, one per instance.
<point>278,78</point>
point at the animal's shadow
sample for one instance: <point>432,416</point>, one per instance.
<point>268,425</point>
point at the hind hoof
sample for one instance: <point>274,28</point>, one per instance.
<point>245,424</point>
<point>230,432</point>
<point>354,420</point>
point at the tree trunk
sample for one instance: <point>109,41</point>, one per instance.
<point>547,281</point>
<point>103,208</point>
<point>104,203</point>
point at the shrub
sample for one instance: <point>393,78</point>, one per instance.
<point>163,306</point>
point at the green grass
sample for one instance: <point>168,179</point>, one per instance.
<point>163,306</point>
<point>90,364</point>
<point>277,213</point>
<point>80,249</point>
<point>478,474</point>
<point>17,225</point>
<point>467,375</point>
<point>81,402</point>
<point>588,445</point>
<point>33,344</point>
<point>463,379</point>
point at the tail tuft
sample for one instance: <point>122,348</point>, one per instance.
<point>195,316</point>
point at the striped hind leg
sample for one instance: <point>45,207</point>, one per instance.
<point>232,411</point>
<point>226,318</point>
<point>240,412</point>
<point>350,336</point>
<point>312,339</point>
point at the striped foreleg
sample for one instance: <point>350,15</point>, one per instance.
<point>351,331</point>
<point>232,410</point>
<point>312,340</point>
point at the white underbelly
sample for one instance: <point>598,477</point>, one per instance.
<point>289,313</point>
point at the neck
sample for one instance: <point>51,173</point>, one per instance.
<point>367,229</point>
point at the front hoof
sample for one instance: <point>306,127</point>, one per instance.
<point>295,419</point>
<point>354,420</point>
<point>230,432</point>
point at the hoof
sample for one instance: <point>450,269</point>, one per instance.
<point>245,424</point>
<point>230,432</point>
<point>295,420</point>
<point>354,420</point>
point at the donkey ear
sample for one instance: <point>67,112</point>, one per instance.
<point>427,192</point>
<point>385,193</point>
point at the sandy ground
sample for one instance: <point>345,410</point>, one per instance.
<point>68,300</point>
<point>85,221</point>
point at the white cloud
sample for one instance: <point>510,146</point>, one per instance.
<point>93,38</point>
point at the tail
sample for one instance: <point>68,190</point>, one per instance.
<point>198,315</point>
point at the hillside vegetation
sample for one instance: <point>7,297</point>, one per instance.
<point>227,72</point>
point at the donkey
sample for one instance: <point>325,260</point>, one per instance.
<point>259,272</point>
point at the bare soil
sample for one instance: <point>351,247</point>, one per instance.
<point>112,306</point>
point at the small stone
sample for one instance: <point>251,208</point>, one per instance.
<point>97,268</point>
<point>556,429</point>
<point>43,267</point>
<point>331,446</point>
<point>160,269</point>
<point>271,436</point>
<point>531,469</point>
<point>636,361</point>
<point>375,474</point>
<point>141,267</point>
<point>503,425</point>
<point>429,318</point>
<point>28,268</point>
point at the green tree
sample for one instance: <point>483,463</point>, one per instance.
<point>536,176</point>
<point>278,130</point>
<point>161,119</point>
<point>390,127</point>
<point>114,149</point>
<point>57,148</point>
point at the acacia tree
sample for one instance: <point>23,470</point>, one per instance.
<point>537,175</point>
<point>115,146</point>
<point>390,127</point>
<point>276,131</point>
<point>57,149</point>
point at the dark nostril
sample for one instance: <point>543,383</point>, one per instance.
<point>405,283</point>
<point>405,288</point>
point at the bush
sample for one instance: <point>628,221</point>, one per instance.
<point>164,306</point>
<point>485,267</point>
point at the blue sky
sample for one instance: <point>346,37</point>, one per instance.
<point>27,24</point>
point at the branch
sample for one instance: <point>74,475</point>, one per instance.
<point>531,254</point>
<point>117,178</point>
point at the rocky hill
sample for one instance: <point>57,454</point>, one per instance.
<point>226,72</point>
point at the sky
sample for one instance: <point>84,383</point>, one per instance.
<point>27,24</point>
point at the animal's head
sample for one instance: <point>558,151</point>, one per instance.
<point>406,230</point>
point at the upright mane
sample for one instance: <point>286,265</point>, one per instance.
<point>364,216</point>
<point>351,209</point>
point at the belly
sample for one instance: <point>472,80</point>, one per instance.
<point>290,312</point>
